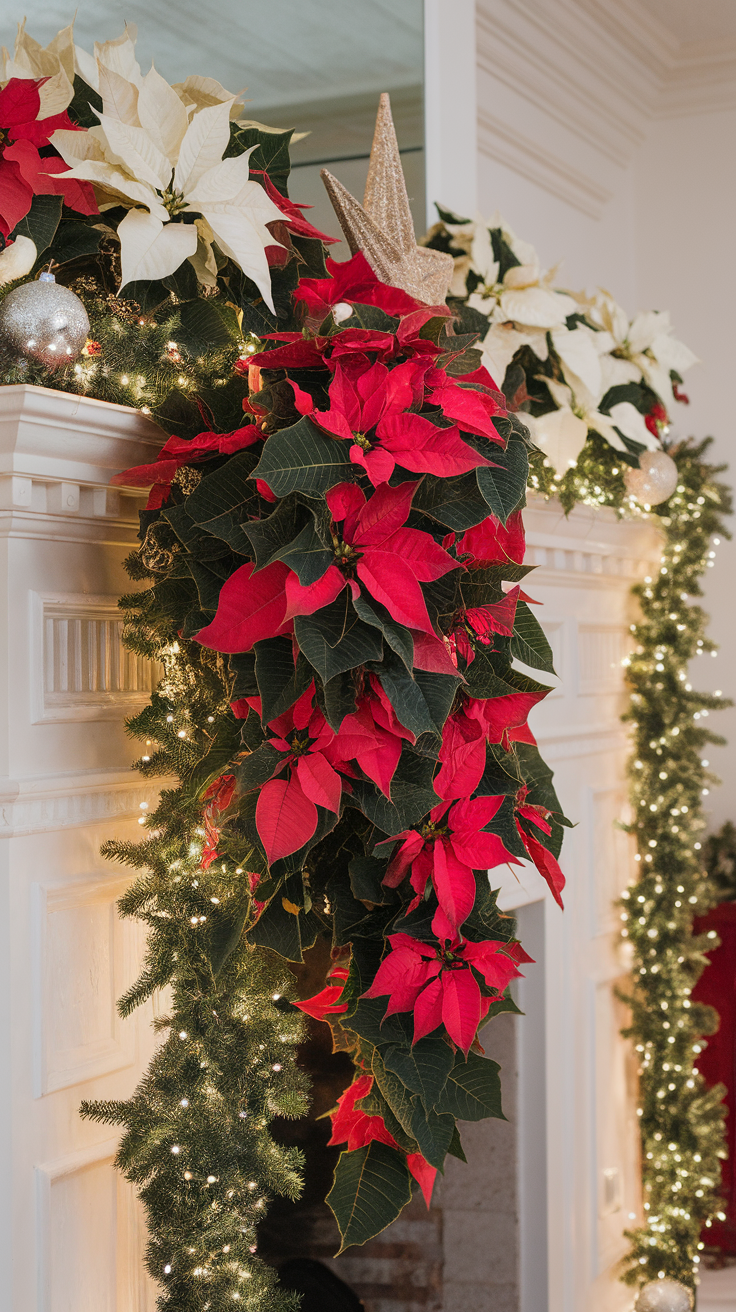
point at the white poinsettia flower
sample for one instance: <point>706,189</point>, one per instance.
<point>581,351</point>
<point>643,349</point>
<point>164,159</point>
<point>562,433</point>
<point>501,343</point>
<point>54,63</point>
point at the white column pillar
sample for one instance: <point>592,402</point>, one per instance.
<point>450,106</point>
<point>70,1234</point>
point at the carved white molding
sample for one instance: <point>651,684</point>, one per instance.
<point>58,453</point>
<point>80,668</point>
<point>84,958</point>
<point>566,89</point>
<point>88,1174</point>
<point>42,803</point>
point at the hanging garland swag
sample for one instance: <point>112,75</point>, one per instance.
<point>334,570</point>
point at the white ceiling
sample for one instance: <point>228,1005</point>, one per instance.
<point>694,23</point>
<point>284,52</point>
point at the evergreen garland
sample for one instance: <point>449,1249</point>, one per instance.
<point>197,1141</point>
<point>681,1119</point>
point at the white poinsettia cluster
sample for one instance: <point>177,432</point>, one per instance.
<point>600,350</point>
<point>158,151</point>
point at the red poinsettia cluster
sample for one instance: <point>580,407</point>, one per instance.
<point>439,982</point>
<point>24,172</point>
<point>314,763</point>
<point>375,557</point>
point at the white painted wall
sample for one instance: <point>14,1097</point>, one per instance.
<point>685,205</point>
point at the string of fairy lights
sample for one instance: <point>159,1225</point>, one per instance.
<point>681,1120</point>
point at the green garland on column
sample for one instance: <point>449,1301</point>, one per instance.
<point>681,1119</point>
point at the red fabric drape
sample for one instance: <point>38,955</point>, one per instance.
<point>717,987</point>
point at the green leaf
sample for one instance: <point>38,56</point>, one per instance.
<point>423,1069</point>
<point>504,824</point>
<point>41,221</point>
<point>206,324</point>
<point>398,1097</point>
<point>257,768</point>
<point>501,774</point>
<point>334,639</point>
<point>372,1186</point>
<point>398,638</point>
<point>242,665</point>
<point>271,150</point>
<point>302,459</point>
<point>337,698</point>
<point>455,502</point>
<point>529,643</point>
<point>503,1004</point>
<point>306,555</point>
<point>456,1148</point>
<point>473,1089</point>
<point>218,504</point>
<point>412,795</point>
<point>422,704</point>
<point>267,536</point>
<point>280,682</point>
<point>433,1132</point>
<point>370,1021</point>
<point>503,484</point>
<point>73,240</point>
<point>79,108</point>
<point>283,930</point>
<point>366,876</point>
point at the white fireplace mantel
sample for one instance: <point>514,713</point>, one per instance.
<point>70,1229</point>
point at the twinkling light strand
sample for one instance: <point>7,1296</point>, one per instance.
<point>681,1121</point>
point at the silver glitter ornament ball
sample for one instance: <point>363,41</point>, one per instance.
<point>664,1296</point>
<point>655,480</point>
<point>43,321</point>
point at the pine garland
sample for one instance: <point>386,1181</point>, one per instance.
<point>197,1141</point>
<point>681,1120</point>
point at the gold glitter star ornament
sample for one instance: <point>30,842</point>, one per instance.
<point>382,227</point>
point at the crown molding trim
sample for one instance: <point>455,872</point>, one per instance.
<point>499,141</point>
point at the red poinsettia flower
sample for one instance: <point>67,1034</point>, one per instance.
<point>355,1127</point>
<point>352,281</point>
<point>302,352</point>
<point>375,551</point>
<point>24,172</point>
<point>327,1001</point>
<point>543,859</point>
<point>217,799</point>
<point>286,811</point>
<point>437,983</point>
<point>475,722</point>
<point>372,736</point>
<point>492,543</point>
<point>368,408</point>
<point>471,407</point>
<point>477,624</point>
<point>447,848</point>
<point>180,451</point>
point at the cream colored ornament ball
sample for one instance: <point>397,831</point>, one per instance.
<point>655,480</point>
<point>43,321</point>
<point>664,1296</point>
